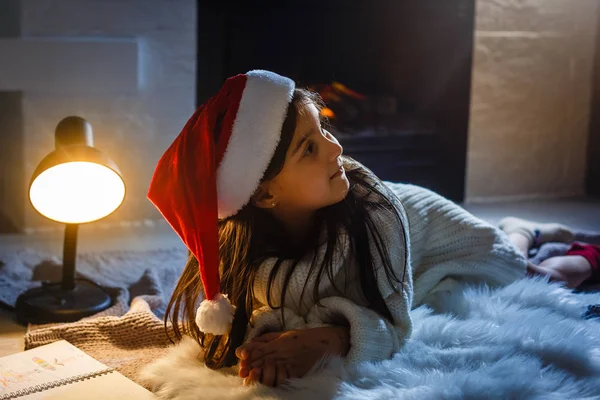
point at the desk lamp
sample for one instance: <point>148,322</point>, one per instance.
<point>75,184</point>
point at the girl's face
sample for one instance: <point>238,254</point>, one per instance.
<point>312,176</point>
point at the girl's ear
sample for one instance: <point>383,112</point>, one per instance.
<point>263,198</point>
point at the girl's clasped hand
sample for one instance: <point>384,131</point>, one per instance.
<point>274,357</point>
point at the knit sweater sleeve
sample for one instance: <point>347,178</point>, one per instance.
<point>449,242</point>
<point>372,336</point>
<point>266,319</point>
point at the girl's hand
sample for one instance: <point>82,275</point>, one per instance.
<point>289,354</point>
<point>572,270</point>
<point>271,374</point>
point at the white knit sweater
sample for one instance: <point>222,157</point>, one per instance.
<point>445,241</point>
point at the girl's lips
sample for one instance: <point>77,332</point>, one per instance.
<point>338,173</point>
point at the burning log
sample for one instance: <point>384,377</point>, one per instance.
<point>356,114</point>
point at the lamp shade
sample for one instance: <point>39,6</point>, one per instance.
<point>76,183</point>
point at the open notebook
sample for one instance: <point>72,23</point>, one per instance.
<point>61,371</point>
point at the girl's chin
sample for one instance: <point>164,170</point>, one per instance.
<point>341,188</point>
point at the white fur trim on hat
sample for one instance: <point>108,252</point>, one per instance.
<point>254,138</point>
<point>215,316</point>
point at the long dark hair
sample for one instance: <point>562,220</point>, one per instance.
<point>252,235</point>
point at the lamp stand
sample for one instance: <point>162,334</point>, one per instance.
<point>67,301</point>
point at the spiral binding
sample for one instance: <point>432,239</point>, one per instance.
<point>51,385</point>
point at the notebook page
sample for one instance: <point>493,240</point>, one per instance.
<point>104,387</point>
<point>44,365</point>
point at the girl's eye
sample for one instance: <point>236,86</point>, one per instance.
<point>309,149</point>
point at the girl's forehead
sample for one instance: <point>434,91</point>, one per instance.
<point>307,116</point>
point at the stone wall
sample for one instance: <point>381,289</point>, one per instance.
<point>531,93</point>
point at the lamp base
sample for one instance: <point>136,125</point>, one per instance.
<point>51,303</point>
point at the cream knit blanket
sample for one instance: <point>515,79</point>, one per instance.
<point>127,335</point>
<point>127,342</point>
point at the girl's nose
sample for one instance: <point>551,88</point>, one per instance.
<point>336,148</point>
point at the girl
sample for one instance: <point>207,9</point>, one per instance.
<point>302,251</point>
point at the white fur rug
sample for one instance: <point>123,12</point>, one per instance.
<point>523,341</point>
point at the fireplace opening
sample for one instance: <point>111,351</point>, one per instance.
<point>395,75</point>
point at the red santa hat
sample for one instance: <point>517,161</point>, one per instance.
<point>213,168</point>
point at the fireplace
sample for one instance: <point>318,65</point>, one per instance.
<point>395,74</point>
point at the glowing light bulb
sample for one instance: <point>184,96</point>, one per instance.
<point>77,192</point>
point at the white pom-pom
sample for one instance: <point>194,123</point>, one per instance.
<point>215,316</point>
